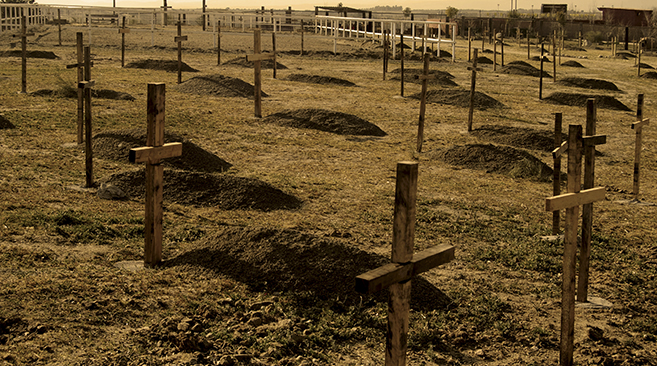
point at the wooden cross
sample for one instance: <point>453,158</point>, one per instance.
<point>85,87</point>
<point>494,49</point>
<point>554,56</point>
<point>24,34</point>
<point>257,58</point>
<point>300,30</point>
<point>80,66</point>
<point>123,30</point>
<point>473,82</point>
<point>152,154</point>
<point>164,15</point>
<point>540,76</point>
<point>273,50</point>
<point>638,127</point>
<point>556,177</point>
<point>423,102</point>
<point>401,37</point>
<point>398,274</point>
<point>179,39</point>
<point>571,202</point>
<point>469,46</point>
<point>218,42</point>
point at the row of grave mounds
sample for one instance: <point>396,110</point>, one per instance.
<point>322,267</point>
<point>460,98</point>
<point>166,65</point>
<point>483,60</point>
<point>585,83</point>
<point>219,86</point>
<point>318,79</point>
<point>523,68</point>
<point>5,124</point>
<point>49,55</point>
<point>194,188</point>
<point>264,64</point>
<point>436,77</point>
<point>650,75</point>
<point>325,120</point>
<point>70,92</point>
<point>579,100</point>
<point>572,63</point>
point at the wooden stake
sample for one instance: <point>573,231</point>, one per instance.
<point>423,103</point>
<point>80,67</point>
<point>502,49</point>
<point>638,65</point>
<point>528,47</point>
<point>540,77</point>
<point>469,46</point>
<point>273,42</point>
<point>257,58</point>
<point>495,50</point>
<point>59,25</point>
<point>554,56</point>
<point>218,42</point>
<point>123,30</point>
<point>179,39</point>
<point>401,37</point>
<point>556,178</point>
<point>24,54</point>
<point>473,82</point>
<point>87,118</point>
<point>301,54</point>
<point>638,127</point>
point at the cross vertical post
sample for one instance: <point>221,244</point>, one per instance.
<point>469,46</point>
<point>123,30</point>
<point>401,37</point>
<point>301,54</point>
<point>502,48</point>
<point>203,10</point>
<point>473,82</point>
<point>495,50</point>
<point>554,55</point>
<point>638,57</point>
<point>423,103</point>
<point>528,47</point>
<point>540,77</point>
<point>273,50</point>
<point>179,39</point>
<point>24,35</point>
<point>257,57</point>
<point>638,127</point>
<point>385,54</point>
<point>152,154</point>
<point>86,85</point>
<point>556,178</point>
<point>59,25</point>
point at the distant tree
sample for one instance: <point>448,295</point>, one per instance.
<point>407,12</point>
<point>451,12</point>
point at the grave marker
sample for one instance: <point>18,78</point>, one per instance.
<point>273,50</point>
<point>540,76</point>
<point>401,37</point>
<point>473,82</point>
<point>571,202</point>
<point>257,58</point>
<point>554,56</point>
<point>385,54</point>
<point>86,87</point>
<point>81,72</point>
<point>164,8</point>
<point>556,177</point>
<point>469,46</point>
<point>152,154</point>
<point>398,274</point>
<point>59,25</point>
<point>218,42</point>
<point>123,30</point>
<point>179,39</point>
<point>24,34</point>
<point>423,102</point>
<point>495,50</point>
<point>638,127</point>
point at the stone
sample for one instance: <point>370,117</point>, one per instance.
<point>111,192</point>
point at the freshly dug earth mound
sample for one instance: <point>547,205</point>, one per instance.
<point>324,120</point>
<point>498,159</point>
<point>218,85</point>
<point>538,58</point>
<point>527,138</point>
<point>266,64</point>
<point>316,79</point>
<point>484,60</point>
<point>30,54</point>
<point>166,65</point>
<point>69,92</point>
<point>650,75</point>
<point>645,66</point>
<point>436,80</point>
<point>225,192</point>
<point>116,145</point>
<point>572,64</point>
<point>276,260</point>
<point>626,54</point>
<point>5,124</point>
<point>460,98</point>
<point>579,100</point>
<point>588,83</point>
<point>523,68</point>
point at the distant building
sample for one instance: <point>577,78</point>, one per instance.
<point>626,17</point>
<point>554,8</point>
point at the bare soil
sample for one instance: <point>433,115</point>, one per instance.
<point>325,120</point>
<point>219,86</point>
<point>460,98</point>
<point>526,138</point>
<point>649,75</point>
<point>49,55</point>
<point>166,65</point>
<point>588,83</point>
<point>317,79</point>
<point>266,64</point>
<point>5,123</point>
<point>523,68</point>
<point>645,66</point>
<point>572,63</point>
<point>73,93</point>
<point>575,99</point>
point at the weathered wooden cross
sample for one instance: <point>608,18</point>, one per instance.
<point>402,51</point>
<point>473,82</point>
<point>152,154</point>
<point>423,102</point>
<point>638,127</point>
<point>571,202</point>
<point>80,66</point>
<point>179,39</point>
<point>218,42</point>
<point>257,59</point>
<point>164,7</point>
<point>540,76</point>
<point>300,30</point>
<point>86,86</point>
<point>123,30</point>
<point>398,274</point>
<point>24,34</point>
<point>559,148</point>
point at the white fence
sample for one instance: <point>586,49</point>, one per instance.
<point>10,15</point>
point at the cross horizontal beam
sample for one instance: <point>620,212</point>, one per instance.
<point>594,140</point>
<point>86,84</point>
<point>644,122</point>
<point>384,276</point>
<point>260,57</point>
<point>124,30</point>
<point>149,154</point>
<point>180,38</point>
<point>556,153</point>
<point>72,66</point>
<point>569,200</point>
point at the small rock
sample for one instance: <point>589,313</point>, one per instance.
<point>596,333</point>
<point>111,192</point>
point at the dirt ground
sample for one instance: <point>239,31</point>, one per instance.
<point>268,221</point>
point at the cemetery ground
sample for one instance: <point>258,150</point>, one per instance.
<point>247,284</point>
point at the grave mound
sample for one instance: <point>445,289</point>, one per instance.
<point>325,120</point>
<point>523,68</point>
<point>645,66</point>
<point>116,145</point>
<point>218,85</point>
<point>650,75</point>
<point>498,159</point>
<point>70,92</point>
<point>5,124</point>
<point>460,98</point>
<point>417,56</point>
<point>526,138</point>
<point>30,54</point>
<point>417,71</point>
<point>626,54</point>
<point>572,63</point>
<point>436,77</point>
<point>166,65</point>
<point>588,83</point>
<point>225,192</point>
<point>579,100</point>
<point>483,60</point>
<point>538,58</point>
<point>316,79</point>
<point>406,46</point>
<point>575,48</point>
<point>285,260</point>
<point>265,64</point>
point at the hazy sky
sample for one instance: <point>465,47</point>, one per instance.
<point>586,5</point>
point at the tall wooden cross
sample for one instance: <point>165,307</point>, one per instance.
<point>218,42</point>
<point>86,87</point>
<point>423,102</point>
<point>123,30</point>
<point>473,82</point>
<point>179,39</point>
<point>638,127</point>
<point>164,7</point>
<point>540,76</point>
<point>152,154</point>
<point>571,202</point>
<point>257,59</point>
<point>398,274</point>
<point>24,34</point>
<point>401,56</point>
<point>495,50</point>
<point>80,66</point>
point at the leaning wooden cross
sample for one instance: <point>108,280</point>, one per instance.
<point>571,202</point>
<point>473,82</point>
<point>423,102</point>
<point>24,34</point>
<point>179,39</point>
<point>152,154</point>
<point>257,59</point>
<point>638,127</point>
<point>398,274</point>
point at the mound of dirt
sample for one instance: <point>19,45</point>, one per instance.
<point>30,54</point>
<point>218,85</point>
<point>483,60</point>
<point>166,65</point>
<point>626,54</point>
<point>575,48</point>
<point>437,77</point>
<point>538,58</point>
<point>572,64</point>
<point>266,64</point>
<point>116,145</point>
<point>416,71</point>
<point>579,100</point>
<point>588,83</point>
<point>274,260</point>
<point>650,75</point>
<point>526,138</point>
<point>70,92</point>
<point>316,79</point>
<point>325,120</point>
<point>5,124</point>
<point>645,66</point>
<point>498,159</point>
<point>523,68</point>
<point>460,98</point>
<point>225,192</point>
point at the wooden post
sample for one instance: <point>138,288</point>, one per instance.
<point>398,274</point>
<point>473,82</point>
<point>218,42</point>
<point>638,64</point>
<point>528,47</point>
<point>638,127</point>
<point>502,49</point>
<point>540,77</point>
<point>59,25</point>
<point>556,178</point>
<point>495,50</point>
<point>401,37</point>
<point>179,39</point>
<point>203,15</point>
<point>483,43</point>
<point>423,103</point>
<point>80,68</point>
<point>301,54</point>
<point>469,46</point>
<point>123,30</point>
<point>87,85</point>
<point>155,150</point>
<point>24,35</point>
<point>257,58</point>
<point>554,56</point>
<point>273,49</point>
<point>385,53</point>
<point>571,201</point>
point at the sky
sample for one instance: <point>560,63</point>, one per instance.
<point>502,5</point>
